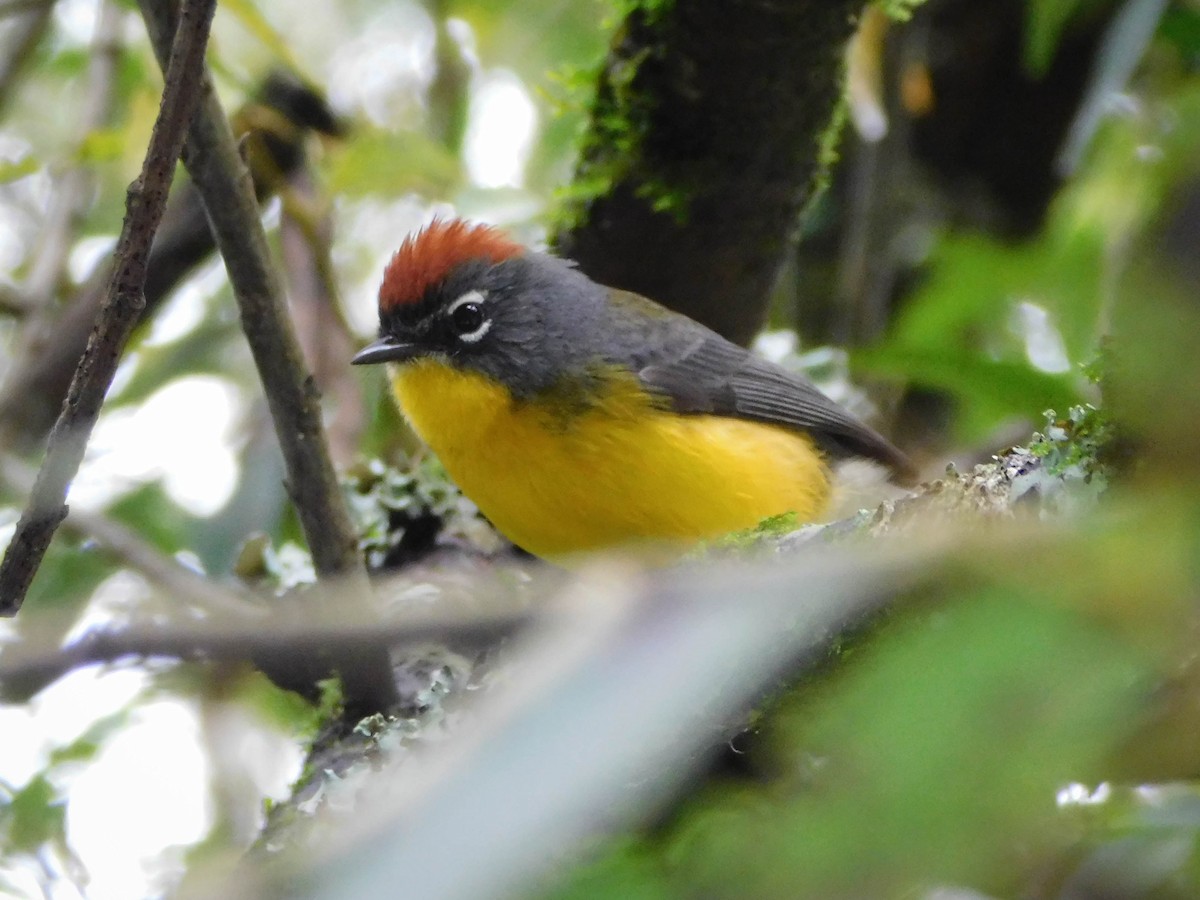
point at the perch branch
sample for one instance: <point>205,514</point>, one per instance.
<point>145,202</point>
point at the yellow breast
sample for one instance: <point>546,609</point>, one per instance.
<point>621,472</point>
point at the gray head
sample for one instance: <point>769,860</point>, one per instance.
<point>470,297</point>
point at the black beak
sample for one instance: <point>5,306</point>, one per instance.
<point>385,349</point>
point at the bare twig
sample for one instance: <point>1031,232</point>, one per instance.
<point>146,199</point>
<point>226,188</point>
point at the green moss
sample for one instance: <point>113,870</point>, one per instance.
<point>749,538</point>
<point>652,11</point>
<point>1072,447</point>
<point>900,10</point>
<point>829,144</point>
<point>611,149</point>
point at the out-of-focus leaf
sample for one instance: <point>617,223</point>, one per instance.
<point>382,164</point>
<point>992,391</point>
<point>102,145</point>
<point>1181,26</point>
<point>975,281</point>
<point>207,349</point>
<point>85,747</point>
<point>933,757</point>
<point>149,511</point>
<point>67,576</point>
<point>11,171</point>
<point>1045,22</point>
<point>254,22</point>
<point>285,709</point>
<point>35,816</point>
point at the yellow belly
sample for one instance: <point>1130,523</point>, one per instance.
<point>621,473</point>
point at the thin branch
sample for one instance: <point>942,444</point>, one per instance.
<point>145,201</point>
<point>305,239</point>
<point>225,186</point>
<point>615,706</point>
<point>281,642</point>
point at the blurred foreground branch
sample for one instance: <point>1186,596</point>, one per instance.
<point>291,644</point>
<point>679,657</point>
<point>145,203</point>
<point>24,33</point>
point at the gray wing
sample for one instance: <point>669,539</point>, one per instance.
<point>697,371</point>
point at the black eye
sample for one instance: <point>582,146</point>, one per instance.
<point>467,318</point>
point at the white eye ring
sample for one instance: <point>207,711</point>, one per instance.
<point>477,298</point>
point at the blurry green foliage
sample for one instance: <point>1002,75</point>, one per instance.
<point>71,572</point>
<point>252,19</point>
<point>379,163</point>
<point>1181,26</point>
<point>932,754</point>
<point>960,329</point>
<point>929,758</point>
<point>33,817</point>
<point>1047,20</point>
<point>900,10</point>
<point>11,171</point>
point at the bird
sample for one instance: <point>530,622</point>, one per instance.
<point>580,417</point>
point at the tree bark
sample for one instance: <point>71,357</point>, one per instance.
<point>705,143</point>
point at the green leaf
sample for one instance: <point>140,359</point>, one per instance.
<point>991,391</point>
<point>85,747</point>
<point>1046,20</point>
<point>36,816</point>
<point>1181,26</point>
<point>390,164</point>
<point>17,169</point>
<point>102,145</point>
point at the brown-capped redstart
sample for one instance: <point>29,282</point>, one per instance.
<point>579,417</point>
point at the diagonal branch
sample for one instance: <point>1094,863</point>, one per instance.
<point>225,186</point>
<point>145,201</point>
<point>224,183</point>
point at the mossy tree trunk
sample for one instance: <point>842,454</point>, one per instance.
<point>707,138</point>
